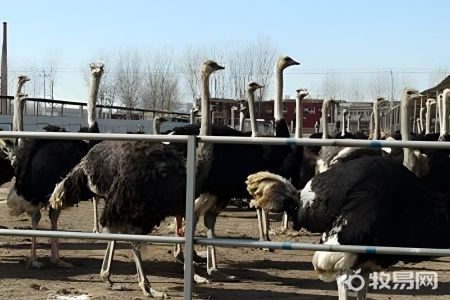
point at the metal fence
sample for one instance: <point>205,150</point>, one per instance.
<point>189,239</point>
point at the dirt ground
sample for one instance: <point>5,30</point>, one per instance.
<point>259,274</point>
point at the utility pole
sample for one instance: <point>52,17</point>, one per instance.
<point>4,74</point>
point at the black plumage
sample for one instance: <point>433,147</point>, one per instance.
<point>368,201</point>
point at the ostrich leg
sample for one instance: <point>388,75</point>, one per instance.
<point>260,224</point>
<point>94,202</point>
<point>33,262</point>
<point>266,225</point>
<point>362,293</point>
<point>284,222</point>
<point>55,259</point>
<point>142,279</point>
<point>210,223</point>
<point>341,277</point>
<point>105,272</point>
<point>177,253</point>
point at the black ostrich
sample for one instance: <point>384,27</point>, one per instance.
<point>367,201</point>
<point>40,164</point>
<point>142,183</point>
<point>232,163</point>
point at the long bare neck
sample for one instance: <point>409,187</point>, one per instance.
<point>251,111</point>
<point>428,119</point>
<point>404,120</point>
<point>408,153</point>
<point>299,116</point>
<point>376,118</point>
<point>94,84</point>
<point>156,125</point>
<point>324,119</point>
<point>278,101</point>
<point>444,111</point>
<point>19,106</point>
<point>205,128</point>
<point>371,125</point>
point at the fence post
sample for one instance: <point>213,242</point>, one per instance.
<point>189,218</point>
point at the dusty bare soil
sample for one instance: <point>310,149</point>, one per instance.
<point>260,274</point>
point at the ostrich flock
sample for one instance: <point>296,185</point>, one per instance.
<point>351,195</point>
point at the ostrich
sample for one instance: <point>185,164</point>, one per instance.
<point>430,102</point>
<point>8,146</point>
<point>382,203</point>
<point>232,164</point>
<point>291,167</point>
<point>330,155</point>
<point>142,182</point>
<point>39,165</point>
<point>412,159</point>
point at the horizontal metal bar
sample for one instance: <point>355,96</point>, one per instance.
<point>227,139</point>
<point>323,247</point>
<point>324,142</point>
<point>94,236</point>
<point>94,136</point>
<point>247,243</point>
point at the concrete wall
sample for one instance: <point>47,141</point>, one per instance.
<point>35,123</point>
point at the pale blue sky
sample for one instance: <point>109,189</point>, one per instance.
<point>344,35</point>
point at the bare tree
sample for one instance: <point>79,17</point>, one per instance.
<point>51,63</point>
<point>128,77</point>
<point>333,86</point>
<point>190,61</point>
<point>437,76</point>
<point>160,88</point>
<point>355,89</point>
<point>388,84</point>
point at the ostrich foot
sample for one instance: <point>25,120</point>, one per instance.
<point>34,264</point>
<point>150,292</point>
<point>219,276</point>
<point>200,280</point>
<point>178,254</point>
<point>61,264</point>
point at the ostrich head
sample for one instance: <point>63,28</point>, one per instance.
<point>431,102</point>
<point>96,69</point>
<point>253,86</point>
<point>21,82</point>
<point>302,93</point>
<point>210,66</point>
<point>286,61</point>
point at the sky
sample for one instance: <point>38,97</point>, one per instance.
<point>352,37</point>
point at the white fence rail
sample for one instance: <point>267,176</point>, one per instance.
<point>189,239</point>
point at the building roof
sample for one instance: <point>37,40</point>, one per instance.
<point>439,87</point>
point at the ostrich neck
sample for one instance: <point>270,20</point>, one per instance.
<point>299,117</point>
<point>371,125</point>
<point>428,119</point>
<point>156,126</point>
<point>444,112</point>
<point>278,105</point>
<point>251,111</point>
<point>324,119</point>
<point>94,84</point>
<point>206,115</point>
<point>241,121</point>
<point>408,153</point>
<point>19,106</point>
<point>376,114</point>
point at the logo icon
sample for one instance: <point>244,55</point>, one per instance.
<point>354,278</point>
